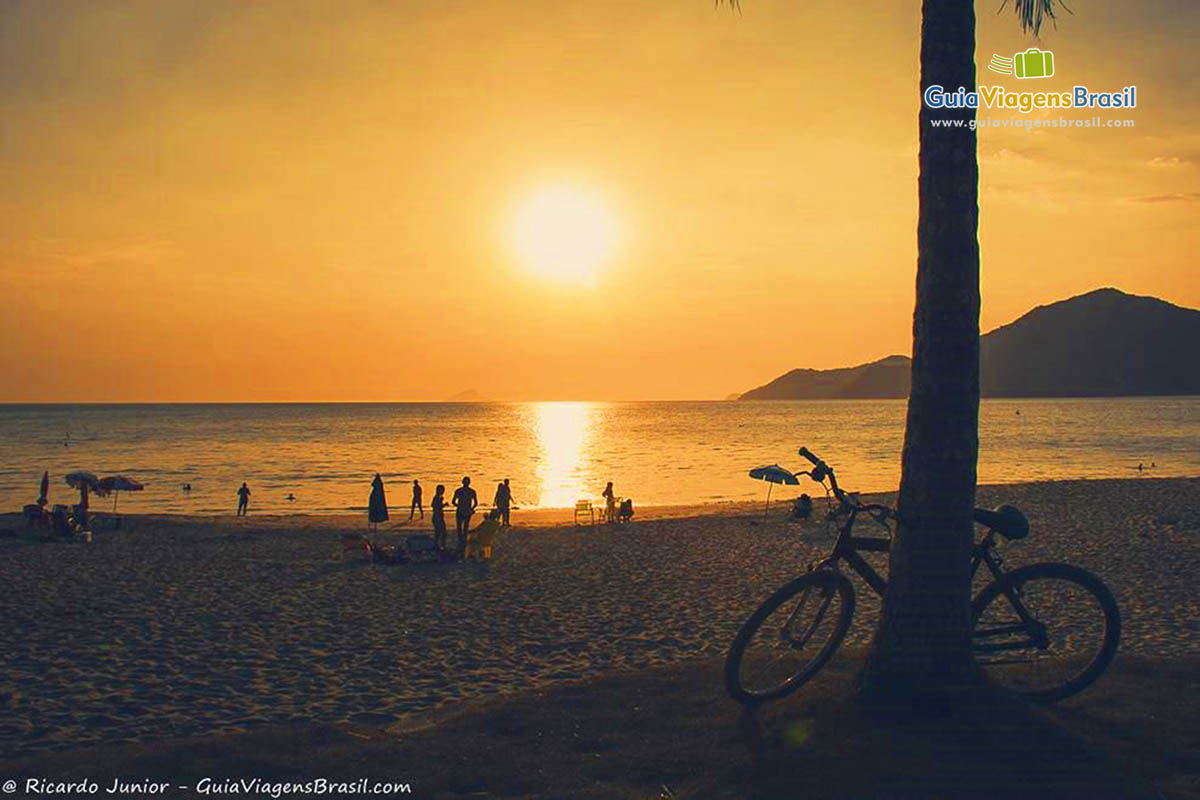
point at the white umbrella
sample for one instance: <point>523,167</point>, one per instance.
<point>117,484</point>
<point>773,474</point>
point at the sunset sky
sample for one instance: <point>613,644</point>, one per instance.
<point>364,200</point>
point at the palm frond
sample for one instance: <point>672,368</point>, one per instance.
<point>1033,13</point>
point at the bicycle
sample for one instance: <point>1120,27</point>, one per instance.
<point>1034,618</point>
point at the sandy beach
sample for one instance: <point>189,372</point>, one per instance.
<point>177,626</point>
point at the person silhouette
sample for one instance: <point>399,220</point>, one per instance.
<point>610,503</point>
<point>438,506</point>
<point>503,502</point>
<point>465,500</point>
<point>243,499</point>
<point>416,501</point>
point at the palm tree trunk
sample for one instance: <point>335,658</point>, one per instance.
<point>920,656</point>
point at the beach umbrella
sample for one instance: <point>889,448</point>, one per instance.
<point>773,474</point>
<point>85,482</point>
<point>81,476</point>
<point>117,484</point>
<point>377,510</point>
<point>44,494</point>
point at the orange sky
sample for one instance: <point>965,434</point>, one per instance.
<point>310,201</point>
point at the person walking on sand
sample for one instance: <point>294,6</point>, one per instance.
<point>438,506</point>
<point>243,499</point>
<point>503,502</point>
<point>610,503</point>
<point>377,510</point>
<point>465,500</point>
<point>417,505</point>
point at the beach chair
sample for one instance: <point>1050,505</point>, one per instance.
<point>61,523</point>
<point>35,516</point>
<point>481,540</point>
<point>585,511</point>
<point>625,510</point>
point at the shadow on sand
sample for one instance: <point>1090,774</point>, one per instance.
<point>669,732</point>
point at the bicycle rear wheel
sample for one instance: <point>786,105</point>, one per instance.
<point>1045,631</point>
<point>789,638</point>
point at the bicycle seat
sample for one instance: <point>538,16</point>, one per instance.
<point>1008,521</point>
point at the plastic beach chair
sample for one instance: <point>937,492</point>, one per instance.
<point>585,511</point>
<point>481,540</point>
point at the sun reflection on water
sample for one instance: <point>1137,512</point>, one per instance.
<point>564,433</point>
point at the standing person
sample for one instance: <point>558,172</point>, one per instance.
<point>503,502</point>
<point>377,510</point>
<point>438,506</point>
<point>610,503</point>
<point>465,500</point>
<point>416,501</point>
<point>243,499</point>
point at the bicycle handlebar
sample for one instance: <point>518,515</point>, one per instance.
<point>821,471</point>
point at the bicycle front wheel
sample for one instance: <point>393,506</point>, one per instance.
<point>1045,631</point>
<point>789,638</point>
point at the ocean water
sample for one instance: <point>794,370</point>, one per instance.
<point>658,453</point>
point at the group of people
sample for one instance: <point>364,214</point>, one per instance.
<point>465,501</point>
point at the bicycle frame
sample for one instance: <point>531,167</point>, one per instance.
<point>848,546</point>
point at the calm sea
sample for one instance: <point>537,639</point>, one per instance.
<point>554,453</point>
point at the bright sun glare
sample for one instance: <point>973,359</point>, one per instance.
<point>564,233</point>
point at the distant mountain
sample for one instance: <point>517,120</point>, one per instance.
<point>1101,344</point>
<point>887,377</point>
<point>468,396</point>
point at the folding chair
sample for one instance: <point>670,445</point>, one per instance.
<point>584,510</point>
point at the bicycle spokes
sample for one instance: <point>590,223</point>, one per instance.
<point>1039,634</point>
<point>824,597</point>
<point>791,635</point>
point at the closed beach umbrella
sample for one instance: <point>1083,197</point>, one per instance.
<point>377,510</point>
<point>773,474</point>
<point>44,494</point>
<point>117,484</point>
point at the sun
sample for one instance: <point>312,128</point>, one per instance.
<point>564,233</point>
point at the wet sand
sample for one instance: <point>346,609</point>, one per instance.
<point>177,626</point>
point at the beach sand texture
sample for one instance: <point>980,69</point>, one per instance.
<point>176,626</point>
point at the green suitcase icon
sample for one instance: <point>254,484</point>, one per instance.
<point>1033,63</point>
